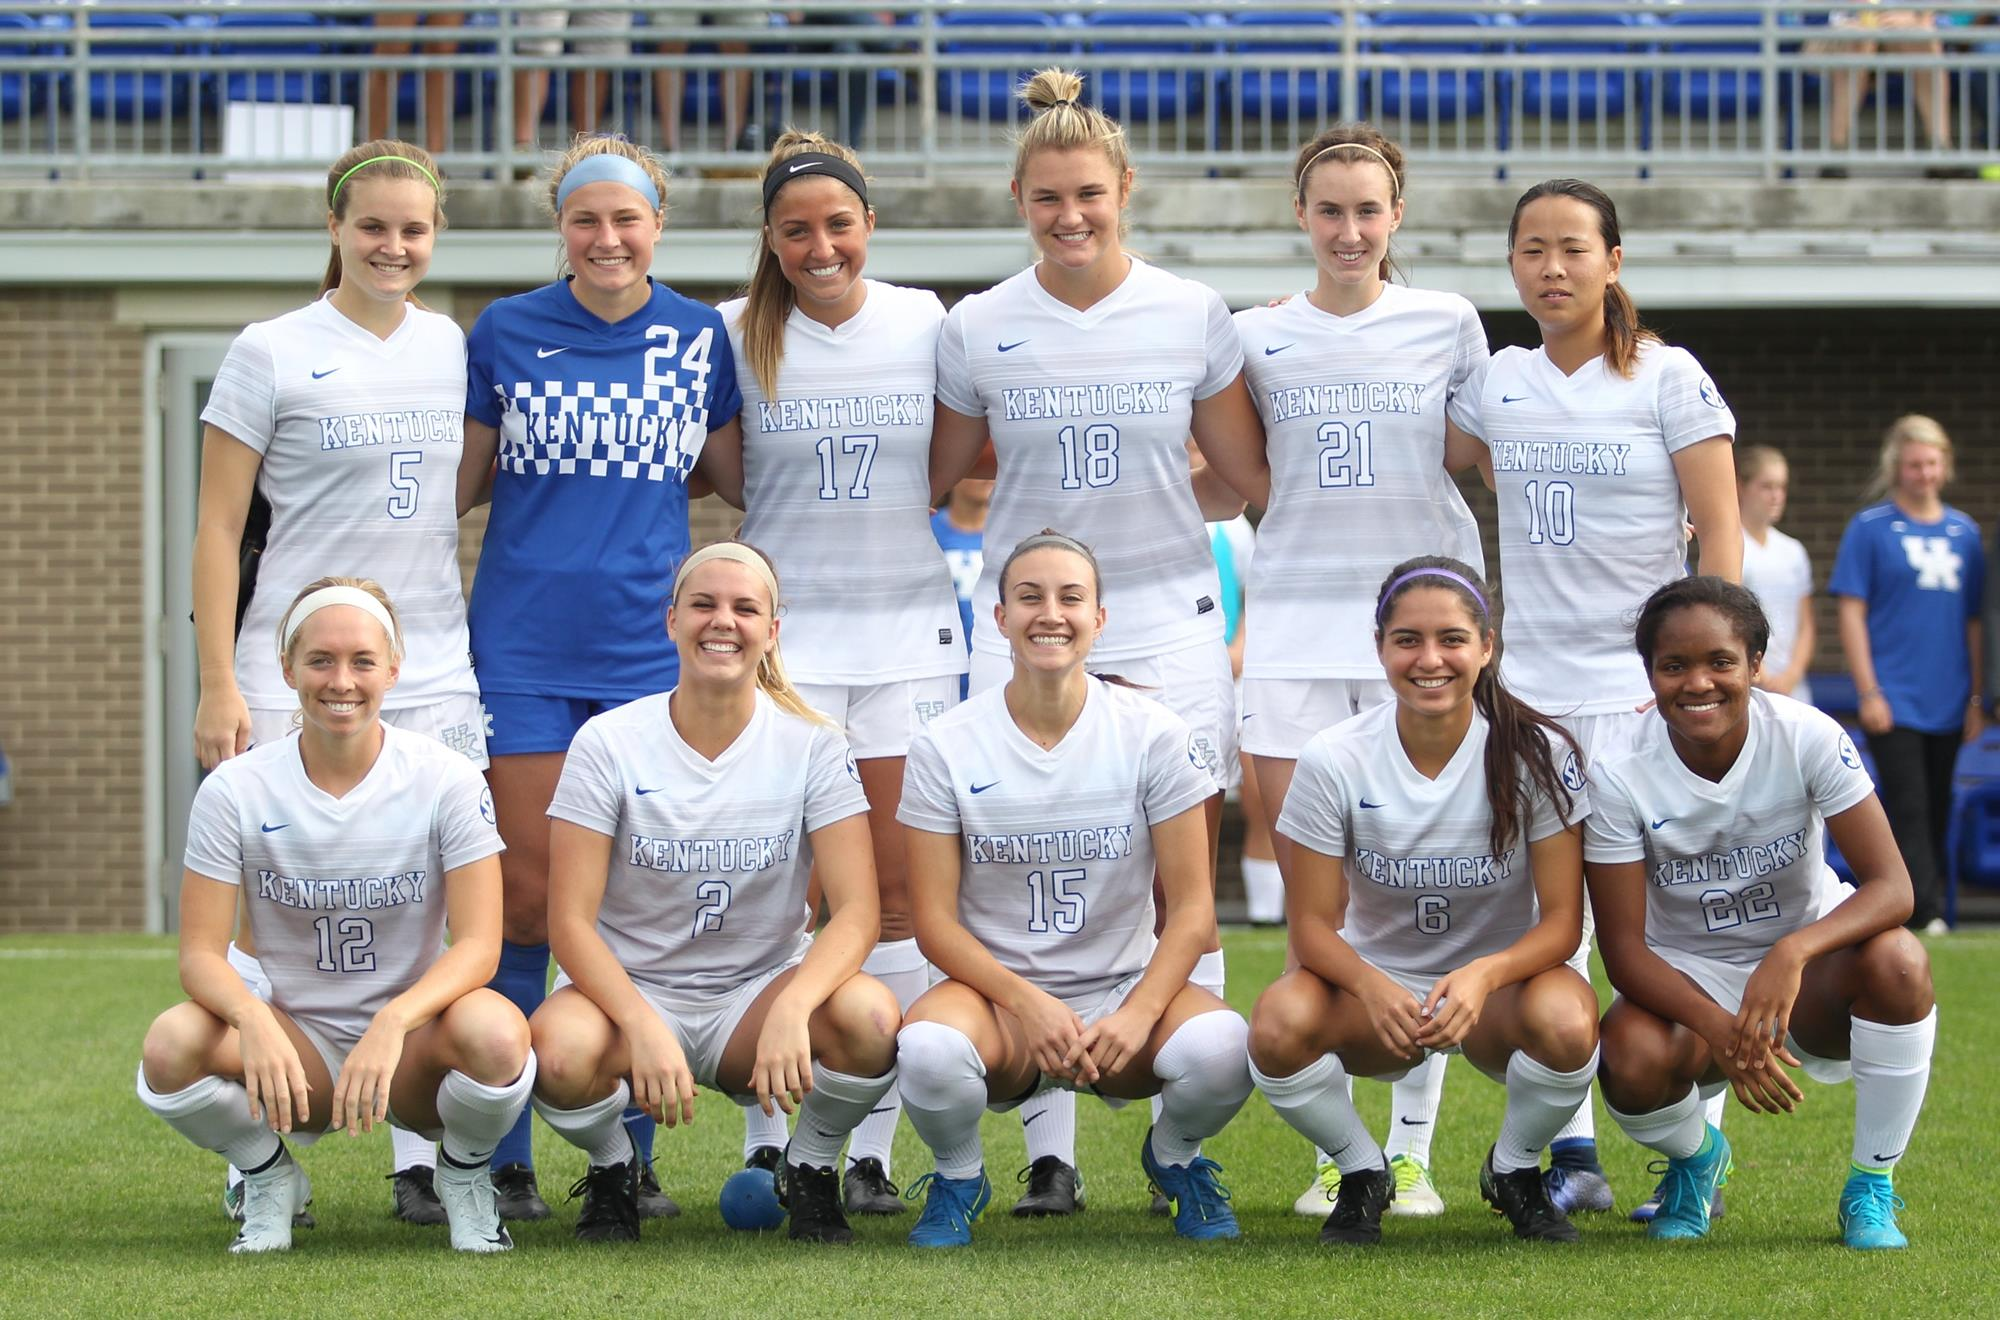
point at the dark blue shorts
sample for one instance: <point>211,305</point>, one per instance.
<point>519,723</point>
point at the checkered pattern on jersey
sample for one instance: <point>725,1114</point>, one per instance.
<point>602,430</point>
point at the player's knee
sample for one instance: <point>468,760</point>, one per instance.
<point>1283,1033</point>
<point>932,1061</point>
<point>176,1046</point>
<point>1563,1031</point>
<point>1632,1072</point>
<point>490,1036</point>
<point>1896,976</point>
<point>864,1016</point>
<point>565,1069</point>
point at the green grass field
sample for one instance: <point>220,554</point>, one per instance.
<point>105,1211</point>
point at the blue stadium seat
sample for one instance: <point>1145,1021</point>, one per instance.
<point>1425,93</point>
<point>133,93</point>
<point>1834,693</point>
<point>1146,95</point>
<point>1720,93</point>
<point>989,92</point>
<point>19,92</point>
<point>287,86</point>
<point>1287,94</point>
<point>1972,842</point>
<point>1573,88</point>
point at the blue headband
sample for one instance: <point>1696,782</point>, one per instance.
<point>1389,592</point>
<point>607,167</point>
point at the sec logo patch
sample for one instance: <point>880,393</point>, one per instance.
<point>486,805</point>
<point>1200,754</point>
<point>1572,775</point>
<point>1849,757</point>
<point>1711,395</point>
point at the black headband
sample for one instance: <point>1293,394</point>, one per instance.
<point>815,162</point>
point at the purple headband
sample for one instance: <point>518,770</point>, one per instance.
<point>1414,573</point>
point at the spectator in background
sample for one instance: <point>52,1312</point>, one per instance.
<point>857,94</point>
<point>739,128</point>
<point>587,87</point>
<point>1910,578</point>
<point>1848,88</point>
<point>434,111</point>
<point>1775,567</point>
<point>1233,543</point>
<point>960,528</point>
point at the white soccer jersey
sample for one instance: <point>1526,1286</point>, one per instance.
<point>1057,847</point>
<point>1591,516</point>
<point>837,488</point>
<point>1781,575</point>
<point>1736,865</point>
<point>1089,413</point>
<point>1426,893</point>
<point>360,439</point>
<point>709,859</point>
<point>1354,416</point>
<point>345,895</point>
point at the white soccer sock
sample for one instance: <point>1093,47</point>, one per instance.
<point>1892,1068</point>
<point>1582,1125</point>
<point>761,1129</point>
<point>837,1102</point>
<point>1675,1131</point>
<point>944,1093</point>
<point>596,1129</point>
<point>1714,1107</point>
<point>1539,1102</point>
<point>214,1114</point>
<point>900,965</point>
<point>1204,1069</point>
<point>1264,889</point>
<point>1315,1101</point>
<point>1209,972</point>
<point>1413,1109</point>
<point>475,1116</point>
<point>1048,1123</point>
<point>413,1150</point>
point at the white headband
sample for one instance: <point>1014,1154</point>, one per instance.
<point>735,552</point>
<point>316,601</point>
<point>1395,182</point>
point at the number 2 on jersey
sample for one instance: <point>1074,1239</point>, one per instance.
<point>1094,462</point>
<point>850,445</point>
<point>714,896</point>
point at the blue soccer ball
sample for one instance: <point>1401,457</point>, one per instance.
<point>750,1201</point>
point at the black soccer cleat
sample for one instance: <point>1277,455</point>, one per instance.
<point>516,1193</point>
<point>771,1159</point>
<point>654,1203</point>
<point>866,1190</point>
<point>1357,1208</point>
<point>811,1197</point>
<point>1523,1197</point>
<point>610,1195</point>
<point>416,1195</point>
<point>1053,1189</point>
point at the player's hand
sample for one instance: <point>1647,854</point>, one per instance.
<point>1051,1030</point>
<point>1108,1045</point>
<point>361,1095</point>
<point>1975,722</point>
<point>662,1082</point>
<point>221,726</point>
<point>1876,717</point>
<point>782,1074</point>
<point>1766,1012</point>
<point>1451,1010</point>
<point>1395,1014</point>
<point>272,1072</point>
<point>1763,1087</point>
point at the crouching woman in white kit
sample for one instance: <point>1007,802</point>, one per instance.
<point>1038,812</point>
<point>682,835</point>
<point>356,846</point>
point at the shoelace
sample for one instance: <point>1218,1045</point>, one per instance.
<point>950,1207</point>
<point>1204,1186</point>
<point>880,1179</point>
<point>1679,1190</point>
<point>1328,1178</point>
<point>1872,1207</point>
<point>1408,1173</point>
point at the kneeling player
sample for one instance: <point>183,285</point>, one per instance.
<point>1726,935</point>
<point>1445,827</point>
<point>356,845</point>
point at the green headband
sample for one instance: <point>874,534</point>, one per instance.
<point>334,196</point>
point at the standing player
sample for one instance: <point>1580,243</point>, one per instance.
<point>1443,830</point>
<point>1088,371</point>
<point>597,393</point>
<point>686,827</point>
<point>368,1012</point>
<point>1604,444</point>
<point>1775,567</point>
<point>835,473</point>
<point>344,418</point>
<point>1730,949</point>
<point>1909,579</point>
<point>960,528</point>
<point>1039,813</point>
<point>1351,381</point>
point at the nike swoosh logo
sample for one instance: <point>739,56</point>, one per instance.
<point>1032,1117</point>
<point>1008,348</point>
<point>549,352</point>
<point>881,1109</point>
<point>796,168</point>
<point>1279,349</point>
<point>641,792</point>
<point>1662,821</point>
<point>1514,398</point>
<point>981,788</point>
<point>1884,1159</point>
<point>1366,805</point>
<point>273,829</point>
<point>1414,1122</point>
<point>322,375</point>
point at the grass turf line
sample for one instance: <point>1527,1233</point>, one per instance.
<point>107,1212</point>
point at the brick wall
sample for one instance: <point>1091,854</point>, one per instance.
<point>71,613</point>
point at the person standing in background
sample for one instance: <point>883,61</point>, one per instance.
<point>960,528</point>
<point>1775,567</point>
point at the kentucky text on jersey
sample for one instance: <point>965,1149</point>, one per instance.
<point>1746,863</point>
<point>1590,457</point>
<point>643,429</point>
<point>1106,843</point>
<point>755,852</point>
<point>849,410</point>
<point>1348,397</point>
<point>357,893</point>
<point>1122,399</point>
<point>440,426</point>
<point>1432,872</point>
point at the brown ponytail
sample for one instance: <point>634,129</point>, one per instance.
<point>383,158</point>
<point>1624,334</point>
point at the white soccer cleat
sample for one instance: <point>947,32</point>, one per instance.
<point>270,1200</point>
<point>1416,1195</point>
<point>1316,1201</point>
<point>471,1208</point>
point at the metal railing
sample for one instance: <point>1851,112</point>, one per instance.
<point>926,86</point>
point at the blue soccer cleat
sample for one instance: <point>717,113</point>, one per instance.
<point>1643,1212</point>
<point>949,1209</point>
<point>1201,1202</point>
<point>1688,1190</point>
<point>1868,1206</point>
